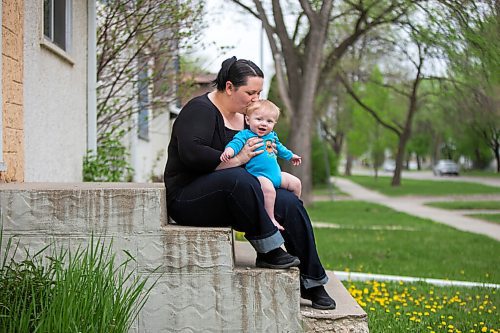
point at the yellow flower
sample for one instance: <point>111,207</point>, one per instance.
<point>484,329</point>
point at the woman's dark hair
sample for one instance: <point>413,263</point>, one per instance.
<point>237,71</point>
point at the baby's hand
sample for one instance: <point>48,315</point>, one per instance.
<point>227,154</point>
<point>296,160</point>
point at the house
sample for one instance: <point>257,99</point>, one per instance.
<point>48,95</point>
<point>46,89</point>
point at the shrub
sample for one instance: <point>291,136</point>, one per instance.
<point>84,291</point>
<point>109,163</point>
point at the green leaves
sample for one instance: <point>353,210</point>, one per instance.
<point>80,291</point>
<point>109,163</point>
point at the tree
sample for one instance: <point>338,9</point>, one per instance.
<point>301,53</point>
<point>469,39</point>
<point>137,53</point>
<point>411,45</point>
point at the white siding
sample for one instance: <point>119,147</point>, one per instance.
<point>148,158</point>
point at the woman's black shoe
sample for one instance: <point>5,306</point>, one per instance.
<point>276,259</point>
<point>319,298</point>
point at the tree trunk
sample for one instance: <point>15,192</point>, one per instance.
<point>348,165</point>
<point>403,138</point>
<point>497,158</point>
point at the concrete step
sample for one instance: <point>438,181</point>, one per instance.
<point>348,317</point>
<point>199,289</point>
<point>256,300</point>
<point>104,208</point>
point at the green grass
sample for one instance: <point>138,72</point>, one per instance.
<point>420,307</point>
<point>377,239</point>
<point>465,204</point>
<point>479,173</point>
<point>324,190</point>
<point>487,217</point>
<point>423,187</point>
<point>59,291</point>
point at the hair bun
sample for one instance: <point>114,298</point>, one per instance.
<point>226,65</point>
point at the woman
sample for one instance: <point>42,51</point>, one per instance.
<point>224,193</point>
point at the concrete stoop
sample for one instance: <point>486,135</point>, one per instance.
<point>348,317</point>
<point>200,286</point>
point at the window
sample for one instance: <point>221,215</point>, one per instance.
<point>143,100</point>
<point>56,22</point>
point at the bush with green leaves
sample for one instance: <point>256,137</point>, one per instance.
<point>109,163</point>
<point>64,291</point>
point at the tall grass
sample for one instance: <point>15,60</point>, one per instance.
<point>83,291</point>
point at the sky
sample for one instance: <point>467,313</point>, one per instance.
<point>231,32</point>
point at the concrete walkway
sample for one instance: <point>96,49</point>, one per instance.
<point>415,206</point>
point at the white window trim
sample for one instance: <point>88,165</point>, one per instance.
<point>47,44</point>
<point>3,166</point>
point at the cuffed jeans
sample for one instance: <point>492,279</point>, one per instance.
<point>233,197</point>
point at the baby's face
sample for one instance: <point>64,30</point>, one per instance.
<point>261,121</point>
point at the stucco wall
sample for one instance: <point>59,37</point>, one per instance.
<point>12,90</point>
<point>55,104</point>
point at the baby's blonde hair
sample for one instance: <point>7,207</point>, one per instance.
<point>263,103</point>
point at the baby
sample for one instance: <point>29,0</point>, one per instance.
<point>261,116</point>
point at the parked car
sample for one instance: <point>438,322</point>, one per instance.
<point>389,165</point>
<point>446,167</point>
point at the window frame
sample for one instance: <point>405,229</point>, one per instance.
<point>48,41</point>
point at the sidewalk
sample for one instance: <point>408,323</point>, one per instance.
<point>415,206</point>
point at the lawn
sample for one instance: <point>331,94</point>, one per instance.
<point>423,187</point>
<point>495,218</point>
<point>372,238</point>
<point>472,205</point>
<point>465,204</point>
<point>420,307</point>
<point>478,173</point>
<point>324,190</point>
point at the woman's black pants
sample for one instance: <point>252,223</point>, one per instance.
<point>233,197</point>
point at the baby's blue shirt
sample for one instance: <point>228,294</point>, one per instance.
<point>266,163</point>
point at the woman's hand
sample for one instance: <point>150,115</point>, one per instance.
<point>249,150</point>
<point>246,153</point>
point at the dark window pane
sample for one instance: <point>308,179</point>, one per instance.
<point>47,18</point>
<point>143,101</point>
<point>60,23</point>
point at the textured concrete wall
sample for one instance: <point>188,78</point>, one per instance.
<point>12,87</point>
<point>55,99</point>
<point>198,288</point>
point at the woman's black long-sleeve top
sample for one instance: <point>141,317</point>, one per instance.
<point>197,141</point>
